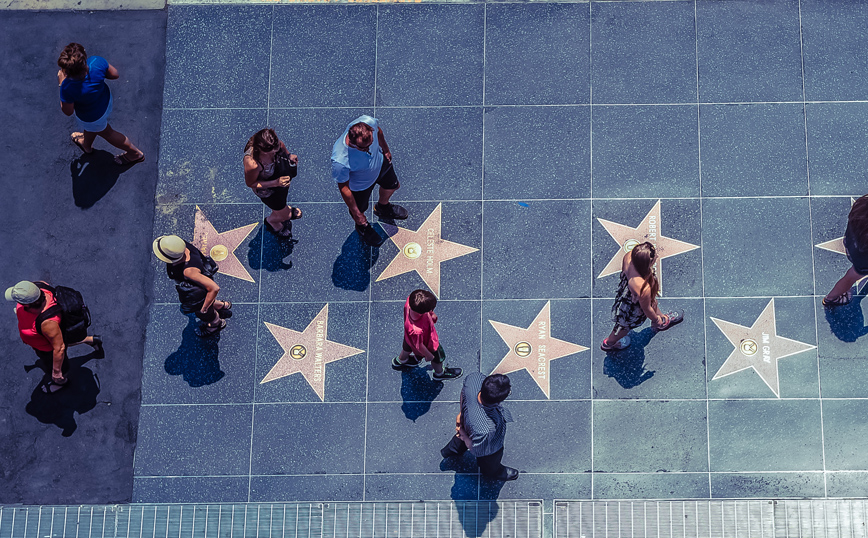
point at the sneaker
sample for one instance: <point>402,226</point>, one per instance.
<point>390,212</point>
<point>448,373</point>
<point>412,362</point>
<point>623,343</point>
<point>369,236</point>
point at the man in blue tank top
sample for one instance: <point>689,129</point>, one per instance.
<point>361,160</point>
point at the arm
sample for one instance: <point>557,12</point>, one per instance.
<point>51,331</point>
<point>293,158</point>
<point>251,176</point>
<point>196,276</point>
<point>649,307</point>
<point>347,195</point>
<point>67,108</point>
<point>112,73</point>
<point>381,139</point>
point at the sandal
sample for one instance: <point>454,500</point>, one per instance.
<point>51,386</point>
<point>295,213</point>
<point>226,311</point>
<point>77,143</point>
<point>98,350</point>
<point>623,343</point>
<point>672,318</point>
<point>841,300</point>
<point>285,231</point>
<point>123,160</point>
<point>207,329</point>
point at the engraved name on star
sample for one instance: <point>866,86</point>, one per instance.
<point>422,250</point>
<point>837,246</point>
<point>307,352</point>
<point>647,230</point>
<point>532,349</point>
<point>221,246</point>
<point>758,347</point>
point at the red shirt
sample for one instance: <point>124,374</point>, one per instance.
<point>420,332</point>
<point>27,325</point>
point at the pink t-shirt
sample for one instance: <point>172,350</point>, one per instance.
<point>27,325</point>
<point>420,332</point>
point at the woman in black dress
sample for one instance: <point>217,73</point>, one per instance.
<point>268,169</point>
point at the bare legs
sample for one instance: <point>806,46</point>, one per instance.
<point>277,218</point>
<point>405,355</point>
<point>843,286</point>
<point>115,138</point>
<point>614,336</point>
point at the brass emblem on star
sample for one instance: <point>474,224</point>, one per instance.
<point>422,250</point>
<point>837,246</point>
<point>307,352</point>
<point>219,253</point>
<point>522,349</point>
<point>651,230</point>
<point>221,246</point>
<point>412,250</point>
<point>758,347</point>
<point>535,359</point>
<point>748,347</point>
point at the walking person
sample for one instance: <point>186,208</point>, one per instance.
<point>39,325</point>
<point>193,274</point>
<point>636,298</point>
<point>85,95</point>
<point>361,160</point>
<point>268,170</point>
<point>856,249</point>
<point>421,338</point>
<point>481,425</point>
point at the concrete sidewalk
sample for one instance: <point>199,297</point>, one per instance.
<point>85,224</point>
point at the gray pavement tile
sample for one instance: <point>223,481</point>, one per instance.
<point>765,485</point>
<point>833,34</point>
<point>214,489</point>
<point>837,138</point>
<point>332,487</point>
<point>650,486</point>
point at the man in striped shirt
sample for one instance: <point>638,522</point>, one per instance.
<point>481,425</point>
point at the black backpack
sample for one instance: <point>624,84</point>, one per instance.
<point>74,314</point>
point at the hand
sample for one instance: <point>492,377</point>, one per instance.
<point>284,181</point>
<point>433,317</point>
<point>293,158</point>
<point>661,321</point>
<point>388,155</point>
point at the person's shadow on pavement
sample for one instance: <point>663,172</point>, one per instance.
<point>418,390</point>
<point>627,367</point>
<point>265,251</point>
<point>78,395</point>
<point>352,268</point>
<point>196,360</point>
<point>475,517</point>
<point>93,176</point>
<point>847,322</point>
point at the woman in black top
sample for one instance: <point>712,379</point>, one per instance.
<point>268,169</point>
<point>856,248</point>
<point>192,271</point>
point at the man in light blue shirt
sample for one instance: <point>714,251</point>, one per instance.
<point>361,161</point>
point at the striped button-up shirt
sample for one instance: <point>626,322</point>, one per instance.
<point>484,424</point>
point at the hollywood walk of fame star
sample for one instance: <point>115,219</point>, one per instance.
<point>533,349</point>
<point>307,352</point>
<point>221,246</point>
<point>422,251</point>
<point>650,229</point>
<point>837,246</point>
<point>758,347</point>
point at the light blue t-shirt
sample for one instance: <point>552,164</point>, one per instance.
<point>360,168</point>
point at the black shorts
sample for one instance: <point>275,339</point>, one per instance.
<point>386,180</point>
<point>277,200</point>
<point>439,355</point>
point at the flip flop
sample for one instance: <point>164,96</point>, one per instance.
<point>284,232</point>
<point>50,387</point>
<point>123,160</point>
<point>77,143</point>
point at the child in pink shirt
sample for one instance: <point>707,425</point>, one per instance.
<point>420,337</point>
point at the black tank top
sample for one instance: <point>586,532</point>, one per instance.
<point>176,270</point>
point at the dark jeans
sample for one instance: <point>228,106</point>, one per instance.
<point>489,466</point>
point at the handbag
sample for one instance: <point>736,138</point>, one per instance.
<point>282,167</point>
<point>192,295</point>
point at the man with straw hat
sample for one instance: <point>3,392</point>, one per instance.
<point>193,274</point>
